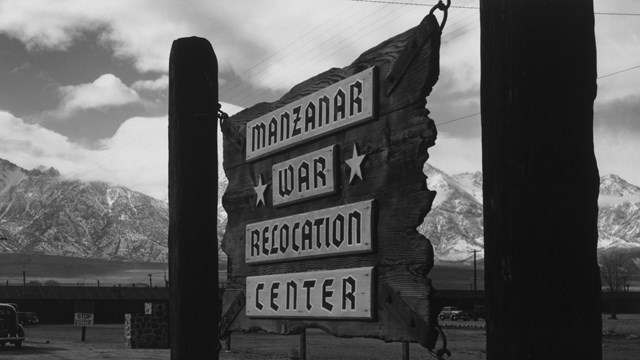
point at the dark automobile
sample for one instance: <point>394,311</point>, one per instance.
<point>10,329</point>
<point>453,313</point>
<point>28,318</point>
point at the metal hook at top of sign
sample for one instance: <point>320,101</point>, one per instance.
<point>445,10</point>
<point>222,116</point>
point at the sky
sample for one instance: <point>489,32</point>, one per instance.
<point>84,84</point>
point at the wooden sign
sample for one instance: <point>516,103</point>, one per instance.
<point>345,229</point>
<point>338,294</point>
<point>335,107</point>
<point>305,177</point>
<point>325,186</point>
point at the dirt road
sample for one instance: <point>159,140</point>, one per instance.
<point>466,341</point>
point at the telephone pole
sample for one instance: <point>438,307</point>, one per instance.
<point>475,274</point>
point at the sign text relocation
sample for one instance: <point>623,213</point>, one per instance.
<point>337,230</point>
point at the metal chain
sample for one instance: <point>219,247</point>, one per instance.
<point>444,8</point>
<point>440,353</point>
<point>222,116</point>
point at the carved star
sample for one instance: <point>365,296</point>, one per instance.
<point>259,189</point>
<point>355,164</point>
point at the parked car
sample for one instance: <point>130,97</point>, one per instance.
<point>28,318</point>
<point>10,329</point>
<point>454,313</point>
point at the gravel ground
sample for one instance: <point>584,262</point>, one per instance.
<point>466,341</point>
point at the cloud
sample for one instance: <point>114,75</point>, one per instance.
<point>42,26</point>
<point>33,145</point>
<point>620,115</point>
<point>136,156</point>
<point>158,84</point>
<point>106,91</point>
<point>455,155</point>
<point>617,153</point>
<point>138,30</point>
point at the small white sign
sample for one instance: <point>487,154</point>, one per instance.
<point>83,319</point>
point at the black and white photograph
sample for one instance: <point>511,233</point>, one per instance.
<point>401,179</point>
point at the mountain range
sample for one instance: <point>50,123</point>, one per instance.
<point>454,224</point>
<point>42,212</point>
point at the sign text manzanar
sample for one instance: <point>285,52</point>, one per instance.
<point>335,107</point>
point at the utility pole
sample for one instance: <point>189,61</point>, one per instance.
<point>538,62</point>
<point>475,275</point>
<point>150,283</point>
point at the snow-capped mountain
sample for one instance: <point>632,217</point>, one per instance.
<point>454,224</point>
<point>43,213</point>
<point>619,214</point>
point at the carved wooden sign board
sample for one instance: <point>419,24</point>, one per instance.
<point>325,193</point>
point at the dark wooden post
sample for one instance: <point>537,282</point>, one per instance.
<point>540,179</point>
<point>405,350</point>
<point>303,344</point>
<point>193,186</point>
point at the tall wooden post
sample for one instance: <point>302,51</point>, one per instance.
<point>540,179</point>
<point>193,186</point>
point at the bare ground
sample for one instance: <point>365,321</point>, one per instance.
<point>466,340</point>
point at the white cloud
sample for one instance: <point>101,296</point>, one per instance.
<point>158,84</point>
<point>617,153</point>
<point>456,155</point>
<point>137,155</point>
<point>32,145</point>
<point>106,91</point>
<point>40,25</point>
<point>140,30</point>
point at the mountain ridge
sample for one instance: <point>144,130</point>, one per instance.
<point>41,212</point>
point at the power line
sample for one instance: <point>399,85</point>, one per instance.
<point>619,72</point>
<point>458,119</point>
<point>245,94</point>
<point>477,7</point>
<point>334,47</point>
<point>406,3</point>
<point>311,48</point>
<point>319,26</point>
<point>616,14</point>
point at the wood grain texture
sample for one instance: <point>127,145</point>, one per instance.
<point>538,88</point>
<point>395,144</point>
<point>193,254</point>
